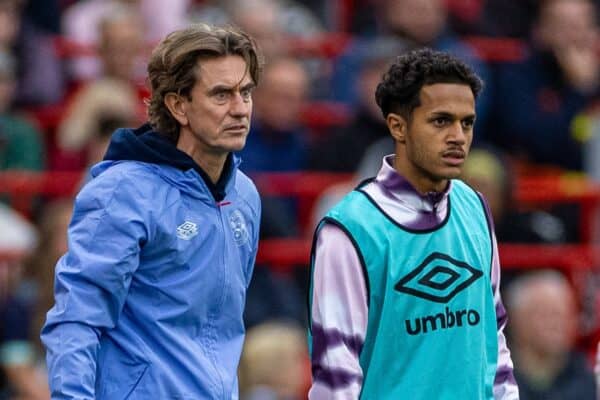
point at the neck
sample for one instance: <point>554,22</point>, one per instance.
<point>417,178</point>
<point>211,162</point>
<point>212,166</point>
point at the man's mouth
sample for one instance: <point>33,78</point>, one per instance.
<point>236,128</point>
<point>454,157</point>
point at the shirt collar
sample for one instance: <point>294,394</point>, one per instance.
<point>401,188</point>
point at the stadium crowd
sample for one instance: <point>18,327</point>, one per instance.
<point>72,71</point>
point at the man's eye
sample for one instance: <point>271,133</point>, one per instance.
<point>440,121</point>
<point>246,94</point>
<point>221,96</point>
<point>467,124</point>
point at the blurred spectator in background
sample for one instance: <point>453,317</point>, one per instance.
<point>274,363</point>
<point>81,20</point>
<point>539,97</point>
<point>18,236</point>
<point>21,145</point>
<point>285,299</point>
<point>423,23</point>
<point>542,336</point>
<point>489,172</point>
<point>276,24</point>
<point>263,20</point>
<point>99,140</point>
<point>19,377</point>
<point>162,17</point>
<point>21,353</point>
<point>39,75</point>
<point>115,95</point>
<point>98,143</point>
<point>38,277</point>
<point>271,22</point>
<point>278,140</point>
<point>23,312</point>
<point>496,18</point>
<point>342,149</point>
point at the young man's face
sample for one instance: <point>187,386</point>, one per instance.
<point>218,112</point>
<point>437,138</point>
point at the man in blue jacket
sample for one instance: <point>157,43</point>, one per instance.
<point>150,295</point>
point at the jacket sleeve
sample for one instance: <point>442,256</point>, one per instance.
<point>255,240</point>
<point>91,282</point>
<point>339,315</point>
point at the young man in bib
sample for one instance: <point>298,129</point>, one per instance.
<point>404,297</point>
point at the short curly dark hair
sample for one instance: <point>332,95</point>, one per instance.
<point>173,66</point>
<point>401,85</point>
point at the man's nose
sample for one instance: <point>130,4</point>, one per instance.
<point>457,133</point>
<point>239,105</point>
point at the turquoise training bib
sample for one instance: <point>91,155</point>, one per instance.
<point>432,330</point>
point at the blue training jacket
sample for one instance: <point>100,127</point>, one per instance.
<point>150,296</point>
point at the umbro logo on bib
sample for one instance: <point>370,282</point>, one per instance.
<point>438,278</point>
<point>187,230</point>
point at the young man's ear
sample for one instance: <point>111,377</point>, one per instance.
<point>398,126</point>
<point>176,105</point>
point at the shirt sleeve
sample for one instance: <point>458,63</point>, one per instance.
<point>505,385</point>
<point>339,316</point>
<point>91,283</point>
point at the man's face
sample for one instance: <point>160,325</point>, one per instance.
<point>438,136</point>
<point>546,320</point>
<point>9,24</point>
<point>566,23</point>
<point>281,96</point>
<point>120,46</point>
<point>217,115</point>
<point>421,20</point>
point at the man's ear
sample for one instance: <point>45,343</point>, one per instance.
<point>176,105</point>
<point>398,126</point>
